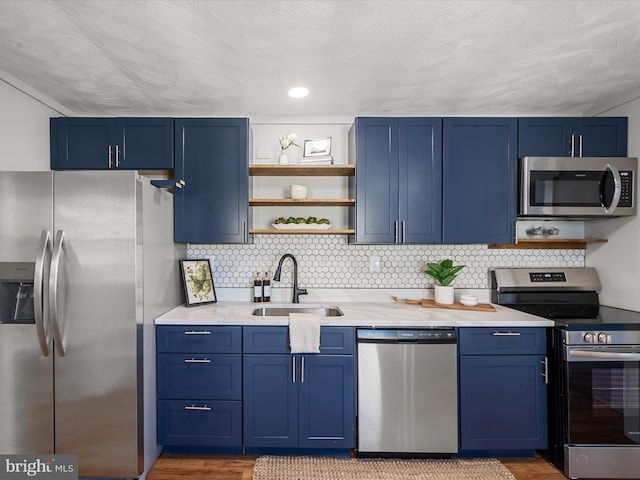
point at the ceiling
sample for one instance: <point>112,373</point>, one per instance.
<point>362,57</point>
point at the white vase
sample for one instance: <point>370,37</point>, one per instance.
<point>443,295</point>
<point>283,159</point>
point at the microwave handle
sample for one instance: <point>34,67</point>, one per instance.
<point>617,191</point>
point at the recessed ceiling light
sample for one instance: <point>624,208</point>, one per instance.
<point>298,92</point>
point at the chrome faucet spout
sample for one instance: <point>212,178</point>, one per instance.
<point>297,291</point>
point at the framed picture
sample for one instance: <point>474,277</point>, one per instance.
<point>317,147</point>
<point>197,282</point>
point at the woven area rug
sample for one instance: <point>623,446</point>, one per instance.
<point>271,467</point>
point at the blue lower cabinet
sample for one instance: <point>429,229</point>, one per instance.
<point>198,422</point>
<point>299,401</point>
<point>502,388</point>
<point>199,387</point>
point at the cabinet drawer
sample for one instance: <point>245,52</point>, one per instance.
<point>216,376</point>
<point>502,341</point>
<point>198,339</point>
<point>200,423</point>
<point>333,340</point>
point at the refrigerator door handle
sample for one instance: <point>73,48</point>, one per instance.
<point>44,246</point>
<point>53,291</point>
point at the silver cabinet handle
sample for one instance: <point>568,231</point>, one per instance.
<point>117,156</point>
<point>395,232</point>
<point>573,149</point>
<point>404,232</point>
<point>109,163</point>
<point>196,360</point>
<point>506,334</point>
<point>53,292</point>
<point>293,366</point>
<point>302,370</point>
<point>203,408</point>
<point>44,247</point>
<point>194,332</point>
<point>580,145</point>
<point>545,374</point>
<point>178,185</point>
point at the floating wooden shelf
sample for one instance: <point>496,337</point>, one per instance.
<point>552,243</point>
<point>330,231</point>
<point>302,170</point>
<point>306,202</point>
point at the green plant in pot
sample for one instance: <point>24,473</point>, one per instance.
<point>443,273</point>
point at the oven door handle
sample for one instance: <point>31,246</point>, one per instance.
<point>578,355</point>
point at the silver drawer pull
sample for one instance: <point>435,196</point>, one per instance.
<point>506,334</point>
<point>194,360</point>
<point>193,407</point>
<point>193,332</point>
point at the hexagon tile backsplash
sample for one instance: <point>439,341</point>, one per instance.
<point>328,261</point>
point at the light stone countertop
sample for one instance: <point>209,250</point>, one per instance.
<point>359,314</point>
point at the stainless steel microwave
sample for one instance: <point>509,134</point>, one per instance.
<point>579,187</point>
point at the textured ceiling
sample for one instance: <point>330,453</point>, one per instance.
<point>385,57</point>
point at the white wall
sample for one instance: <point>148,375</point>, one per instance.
<point>618,261</point>
<point>24,131</point>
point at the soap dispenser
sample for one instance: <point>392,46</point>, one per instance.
<point>257,288</point>
<point>266,288</point>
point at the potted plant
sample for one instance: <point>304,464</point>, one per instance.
<point>443,273</point>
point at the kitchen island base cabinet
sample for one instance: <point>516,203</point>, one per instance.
<point>301,401</point>
<point>503,403</point>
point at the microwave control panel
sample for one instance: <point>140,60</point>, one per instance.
<point>626,196</point>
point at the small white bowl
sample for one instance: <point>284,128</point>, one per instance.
<point>468,300</point>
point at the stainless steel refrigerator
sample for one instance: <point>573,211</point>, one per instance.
<point>87,261</point>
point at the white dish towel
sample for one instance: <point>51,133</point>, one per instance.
<point>304,332</point>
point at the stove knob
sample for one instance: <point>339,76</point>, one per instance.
<point>590,337</point>
<point>604,338</point>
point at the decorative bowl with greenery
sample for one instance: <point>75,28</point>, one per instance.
<point>444,272</point>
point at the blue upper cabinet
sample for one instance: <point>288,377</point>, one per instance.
<point>212,161</point>
<point>144,143</point>
<point>572,137</point>
<point>479,180</point>
<point>397,185</point>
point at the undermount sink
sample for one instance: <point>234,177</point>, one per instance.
<point>285,311</point>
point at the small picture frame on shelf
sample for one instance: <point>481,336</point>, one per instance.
<point>197,282</point>
<point>317,147</point>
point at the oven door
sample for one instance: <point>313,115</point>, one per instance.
<point>603,395</point>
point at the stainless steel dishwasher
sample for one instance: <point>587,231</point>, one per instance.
<point>407,391</point>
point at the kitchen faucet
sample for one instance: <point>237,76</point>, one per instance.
<point>276,277</point>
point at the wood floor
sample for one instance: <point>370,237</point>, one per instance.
<point>225,467</point>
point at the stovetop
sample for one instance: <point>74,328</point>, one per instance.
<point>609,318</point>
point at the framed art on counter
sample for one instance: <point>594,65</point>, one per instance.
<point>197,282</point>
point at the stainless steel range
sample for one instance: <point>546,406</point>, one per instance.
<point>594,364</point>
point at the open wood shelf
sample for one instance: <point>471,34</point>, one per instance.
<point>302,170</point>
<point>554,243</point>
<point>305,202</point>
<point>330,231</point>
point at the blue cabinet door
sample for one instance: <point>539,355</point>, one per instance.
<point>111,143</point>
<point>270,401</point>
<point>82,143</point>
<point>212,158</point>
<point>479,180</point>
<point>602,136</point>
<point>398,180</point>
<point>145,143</point>
<point>572,136</point>
<point>420,180</point>
<point>327,401</point>
<point>503,402</point>
<point>376,180</point>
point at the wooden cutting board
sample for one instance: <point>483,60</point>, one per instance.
<point>481,307</point>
